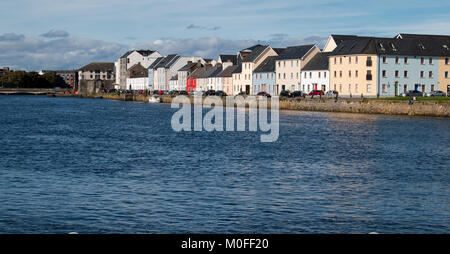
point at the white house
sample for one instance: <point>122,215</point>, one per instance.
<point>315,74</point>
<point>131,58</point>
<point>168,68</point>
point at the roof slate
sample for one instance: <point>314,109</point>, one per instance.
<point>318,62</point>
<point>295,52</point>
<point>228,72</point>
<point>102,66</point>
<point>268,65</point>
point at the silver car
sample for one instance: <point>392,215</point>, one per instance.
<point>435,93</point>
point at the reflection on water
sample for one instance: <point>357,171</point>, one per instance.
<point>99,166</point>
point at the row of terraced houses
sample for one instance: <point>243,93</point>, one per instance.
<point>349,64</point>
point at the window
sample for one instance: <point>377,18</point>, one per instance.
<point>384,73</point>
<point>384,59</point>
<point>284,63</point>
<point>284,74</point>
<point>369,88</point>
<point>431,60</point>
<point>396,74</point>
<point>340,74</point>
<point>319,74</point>
<point>406,60</point>
<point>430,74</point>
<point>356,73</point>
<point>297,75</point>
<point>297,63</point>
<point>369,75</point>
<point>405,74</point>
<point>335,87</point>
<point>349,59</point>
<point>340,60</point>
<point>422,60</point>
<point>396,59</point>
<point>340,87</point>
<point>334,74</point>
<point>446,74</point>
<point>292,75</point>
<point>350,74</point>
<point>310,75</point>
<point>422,74</point>
<point>446,61</point>
<point>383,89</point>
<point>369,61</point>
<point>349,88</point>
<point>356,59</point>
<point>432,87</point>
<point>335,60</point>
<point>325,74</point>
<point>292,63</point>
<point>356,88</point>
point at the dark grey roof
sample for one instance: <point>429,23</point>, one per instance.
<point>238,69</point>
<point>255,53</point>
<point>207,72</point>
<point>98,66</point>
<point>167,61</point>
<point>268,65</point>
<point>318,62</point>
<point>295,52</point>
<point>338,39</point>
<point>215,72</point>
<point>143,52</point>
<point>409,46</point>
<point>174,77</point>
<point>231,58</point>
<point>198,73</point>
<point>156,62</point>
<point>228,72</point>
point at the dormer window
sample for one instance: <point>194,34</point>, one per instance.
<point>392,46</point>
<point>421,46</point>
<point>381,47</point>
<point>445,47</point>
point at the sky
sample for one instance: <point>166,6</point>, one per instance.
<point>68,34</point>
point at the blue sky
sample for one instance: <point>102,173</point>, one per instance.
<point>45,34</point>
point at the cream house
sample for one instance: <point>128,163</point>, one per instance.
<point>289,64</point>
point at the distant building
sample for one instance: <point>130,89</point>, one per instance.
<point>3,71</point>
<point>225,82</point>
<point>137,78</point>
<point>70,76</point>
<point>96,76</point>
<point>184,73</point>
<point>131,58</point>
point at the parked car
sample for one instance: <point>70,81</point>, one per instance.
<point>159,92</point>
<point>285,93</point>
<point>412,93</point>
<point>297,94</point>
<point>183,93</point>
<point>166,92</point>
<point>220,93</point>
<point>435,93</point>
<point>331,93</point>
<point>197,93</point>
<point>173,92</point>
<point>316,92</point>
<point>264,94</point>
<point>140,91</point>
<point>210,92</point>
<point>241,93</point>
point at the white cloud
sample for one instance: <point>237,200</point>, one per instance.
<point>55,34</point>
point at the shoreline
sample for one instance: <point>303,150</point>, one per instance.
<point>384,106</point>
<point>433,108</point>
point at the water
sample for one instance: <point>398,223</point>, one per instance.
<point>103,166</point>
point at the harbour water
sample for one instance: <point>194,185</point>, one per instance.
<point>105,166</point>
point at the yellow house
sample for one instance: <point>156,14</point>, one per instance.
<point>288,66</point>
<point>444,74</point>
<point>353,68</point>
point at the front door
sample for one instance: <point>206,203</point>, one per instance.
<point>396,88</point>
<point>448,90</point>
<point>423,88</point>
<point>247,89</point>
<point>315,86</point>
